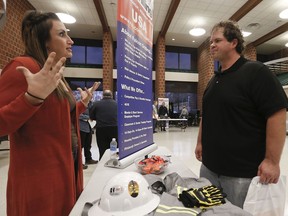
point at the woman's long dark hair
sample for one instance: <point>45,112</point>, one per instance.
<point>36,28</point>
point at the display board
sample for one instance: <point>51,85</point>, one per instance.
<point>163,100</point>
<point>134,75</point>
<point>2,14</point>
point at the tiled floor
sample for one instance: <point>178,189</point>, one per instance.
<point>182,144</point>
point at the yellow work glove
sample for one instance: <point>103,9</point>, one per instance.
<point>203,197</point>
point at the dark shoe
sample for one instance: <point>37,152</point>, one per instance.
<point>85,166</point>
<point>91,161</point>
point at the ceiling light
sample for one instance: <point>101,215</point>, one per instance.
<point>253,26</point>
<point>66,18</point>
<point>246,34</point>
<point>284,14</point>
<point>173,39</point>
<point>286,44</point>
<point>197,31</point>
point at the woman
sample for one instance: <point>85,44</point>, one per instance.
<point>45,172</point>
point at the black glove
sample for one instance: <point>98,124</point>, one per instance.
<point>204,197</point>
<point>158,187</point>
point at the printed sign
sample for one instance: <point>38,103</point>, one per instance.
<point>134,75</point>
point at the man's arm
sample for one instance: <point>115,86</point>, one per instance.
<point>269,169</point>
<point>198,149</point>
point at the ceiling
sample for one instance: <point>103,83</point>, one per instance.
<point>177,17</point>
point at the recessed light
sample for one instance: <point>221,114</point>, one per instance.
<point>284,14</point>
<point>253,26</point>
<point>286,44</point>
<point>66,18</point>
<point>246,34</point>
<point>173,39</point>
<point>197,31</point>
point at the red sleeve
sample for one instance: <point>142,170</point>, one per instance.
<point>15,110</point>
<point>15,114</point>
<point>81,107</point>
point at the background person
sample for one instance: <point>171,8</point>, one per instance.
<point>43,178</point>
<point>105,114</point>
<point>86,137</point>
<point>184,115</point>
<point>242,131</point>
<point>163,113</point>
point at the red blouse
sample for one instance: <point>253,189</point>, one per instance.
<point>41,176</point>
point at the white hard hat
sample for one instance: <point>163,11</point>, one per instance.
<point>127,194</point>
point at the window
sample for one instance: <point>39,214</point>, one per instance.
<point>86,53</point>
<point>94,55</point>
<point>171,60</point>
<point>78,55</point>
<point>97,95</point>
<point>75,84</point>
<point>180,94</point>
<point>185,61</point>
<point>181,59</point>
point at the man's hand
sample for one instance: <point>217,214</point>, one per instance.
<point>269,172</point>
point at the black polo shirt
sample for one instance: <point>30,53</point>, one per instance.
<point>236,105</point>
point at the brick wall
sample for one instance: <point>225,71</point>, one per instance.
<point>205,70</point>
<point>10,36</point>
<point>160,68</point>
<point>250,52</point>
<point>107,61</point>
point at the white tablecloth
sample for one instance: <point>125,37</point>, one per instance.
<point>102,174</point>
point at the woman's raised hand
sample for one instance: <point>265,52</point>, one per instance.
<point>44,82</point>
<point>87,94</point>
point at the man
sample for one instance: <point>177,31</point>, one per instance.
<point>86,138</point>
<point>163,113</point>
<point>105,114</point>
<point>184,115</point>
<point>242,131</point>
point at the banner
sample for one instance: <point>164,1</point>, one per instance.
<point>134,75</point>
<point>2,14</point>
<point>163,100</point>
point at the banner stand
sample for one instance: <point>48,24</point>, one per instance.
<point>123,163</point>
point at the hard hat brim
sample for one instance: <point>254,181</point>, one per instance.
<point>143,210</point>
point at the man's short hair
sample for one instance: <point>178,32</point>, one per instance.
<point>107,94</point>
